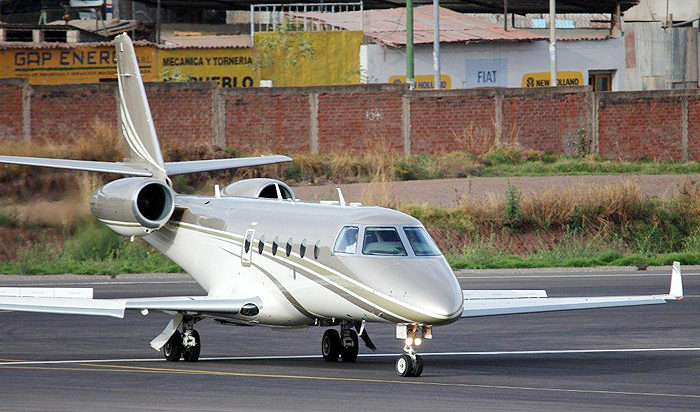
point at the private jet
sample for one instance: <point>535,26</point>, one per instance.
<point>265,258</point>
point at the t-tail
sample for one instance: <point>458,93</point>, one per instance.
<point>144,201</point>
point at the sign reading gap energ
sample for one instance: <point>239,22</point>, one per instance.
<point>486,73</point>
<point>80,64</point>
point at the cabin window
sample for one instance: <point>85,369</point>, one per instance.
<point>382,241</point>
<point>289,246</point>
<point>275,245</point>
<point>347,240</point>
<point>248,241</point>
<point>421,242</point>
<point>302,248</point>
<point>261,244</point>
<point>317,249</point>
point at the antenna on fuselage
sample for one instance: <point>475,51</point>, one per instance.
<point>340,196</point>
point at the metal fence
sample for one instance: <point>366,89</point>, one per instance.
<point>303,16</point>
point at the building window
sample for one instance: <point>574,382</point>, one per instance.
<point>601,80</point>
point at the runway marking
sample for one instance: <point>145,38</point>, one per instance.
<point>366,355</point>
<point>576,275</point>
<point>104,283</point>
<point>137,369</point>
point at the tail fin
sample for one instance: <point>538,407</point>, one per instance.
<point>134,113</point>
<point>145,158</point>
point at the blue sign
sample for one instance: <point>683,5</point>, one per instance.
<point>486,73</point>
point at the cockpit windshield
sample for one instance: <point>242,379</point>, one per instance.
<point>347,240</point>
<point>382,241</point>
<point>421,242</point>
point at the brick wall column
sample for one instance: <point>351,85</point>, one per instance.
<point>27,112</point>
<point>313,122</point>
<point>406,123</point>
<point>684,128</point>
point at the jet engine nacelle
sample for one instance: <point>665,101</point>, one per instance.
<point>133,206</point>
<point>259,187</point>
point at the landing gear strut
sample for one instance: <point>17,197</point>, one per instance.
<point>185,345</point>
<point>410,363</point>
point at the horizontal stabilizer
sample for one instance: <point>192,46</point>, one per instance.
<point>178,168</point>
<point>86,165</point>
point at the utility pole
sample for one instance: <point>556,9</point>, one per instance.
<point>158,23</point>
<point>436,43</point>
<point>552,43</point>
<point>505,15</point>
<point>410,78</point>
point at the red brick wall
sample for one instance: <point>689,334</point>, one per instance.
<point>11,122</point>
<point>443,122</point>
<point>359,121</point>
<point>182,114</point>
<point>640,125</point>
<point>545,120</point>
<point>69,111</point>
<point>187,116</point>
<point>266,121</point>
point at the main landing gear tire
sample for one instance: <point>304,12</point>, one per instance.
<point>173,348</point>
<point>349,354</point>
<point>191,354</point>
<point>330,345</point>
<point>405,366</point>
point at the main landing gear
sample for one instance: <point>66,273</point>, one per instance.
<point>344,345</point>
<point>410,363</point>
<point>186,345</point>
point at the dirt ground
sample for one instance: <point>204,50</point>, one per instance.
<point>447,192</point>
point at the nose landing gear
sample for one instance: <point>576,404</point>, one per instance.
<point>410,363</point>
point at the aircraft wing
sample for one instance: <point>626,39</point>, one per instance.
<point>79,301</point>
<point>508,302</point>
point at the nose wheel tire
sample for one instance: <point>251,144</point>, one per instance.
<point>173,348</point>
<point>191,354</point>
<point>330,345</point>
<point>404,365</point>
<point>349,354</point>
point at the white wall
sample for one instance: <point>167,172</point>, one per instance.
<point>655,10</point>
<point>463,62</point>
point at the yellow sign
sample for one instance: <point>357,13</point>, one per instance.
<point>424,81</point>
<point>336,59</point>
<point>541,79</point>
<point>227,66</point>
<point>80,64</point>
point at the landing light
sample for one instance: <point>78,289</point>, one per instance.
<point>417,341</point>
<point>409,341</point>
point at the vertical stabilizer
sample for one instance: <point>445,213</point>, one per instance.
<point>134,113</point>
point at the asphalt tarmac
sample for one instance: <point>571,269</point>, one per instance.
<point>631,359</point>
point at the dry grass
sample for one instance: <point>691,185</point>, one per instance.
<point>61,213</point>
<point>100,142</point>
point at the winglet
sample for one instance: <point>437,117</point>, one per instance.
<point>676,292</point>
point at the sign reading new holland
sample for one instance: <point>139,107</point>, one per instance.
<point>486,73</point>
<point>564,78</point>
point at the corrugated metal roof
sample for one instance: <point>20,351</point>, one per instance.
<point>389,26</point>
<point>9,45</point>
<point>237,41</point>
